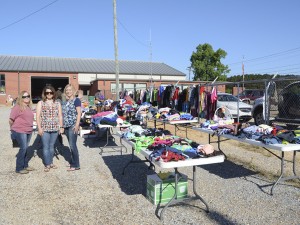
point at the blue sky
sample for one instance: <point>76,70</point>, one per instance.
<point>263,34</point>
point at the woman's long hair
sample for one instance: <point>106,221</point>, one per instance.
<point>20,101</point>
<point>44,97</point>
<point>73,90</point>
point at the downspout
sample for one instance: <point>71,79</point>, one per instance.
<point>18,82</point>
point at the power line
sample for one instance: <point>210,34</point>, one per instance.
<point>25,17</point>
<point>268,56</point>
<point>122,25</point>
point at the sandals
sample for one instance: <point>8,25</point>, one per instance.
<point>47,168</point>
<point>72,169</point>
<point>52,166</point>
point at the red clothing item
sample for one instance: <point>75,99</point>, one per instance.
<point>23,120</point>
<point>176,94</point>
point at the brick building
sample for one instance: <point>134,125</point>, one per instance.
<point>32,73</point>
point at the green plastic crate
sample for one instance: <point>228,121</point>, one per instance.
<point>162,191</point>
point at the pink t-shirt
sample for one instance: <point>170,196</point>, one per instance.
<point>23,120</point>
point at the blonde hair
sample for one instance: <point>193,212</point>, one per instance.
<point>20,101</point>
<point>73,90</point>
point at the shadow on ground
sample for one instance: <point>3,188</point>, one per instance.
<point>134,179</point>
<point>228,170</point>
<point>36,150</point>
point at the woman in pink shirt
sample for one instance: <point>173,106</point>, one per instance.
<point>21,122</point>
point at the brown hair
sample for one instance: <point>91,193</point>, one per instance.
<point>44,97</point>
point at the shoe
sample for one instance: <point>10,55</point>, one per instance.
<point>72,169</point>
<point>22,172</point>
<point>47,169</point>
<point>52,166</point>
<point>29,168</point>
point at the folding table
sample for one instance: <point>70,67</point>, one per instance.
<point>109,133</point>
<point>182,163</point>
<point>177,123</point>
<point>279,147</point>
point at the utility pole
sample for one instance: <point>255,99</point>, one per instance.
<point>189,69</point>
<point>243,73</point>
<point>116,49</point>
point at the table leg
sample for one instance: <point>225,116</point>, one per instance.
<point>101,148</point>
<point>109,132</point>
<point>186,132</point>
<point>194,189</point>
<point>174,200</point>
<point>136,161</point>
<point>281,178</point>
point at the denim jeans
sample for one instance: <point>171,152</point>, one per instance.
<point>22,157</point>
<point>72,138</point>
<point>186,107</point>
<point>48,140</point>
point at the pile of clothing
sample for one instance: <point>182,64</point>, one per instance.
<point>165,146</point>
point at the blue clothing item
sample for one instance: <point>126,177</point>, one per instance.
<point>96,120</point>
<point>112,116</point>
<point>185,107</point>
<point>69,111</point>
<point>48,140</point>
<point>186,116</point>
<point>273,140</point>
<point>72,138</point>
<point>22,157</point>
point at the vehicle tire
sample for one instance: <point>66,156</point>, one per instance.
<point>258,118</point>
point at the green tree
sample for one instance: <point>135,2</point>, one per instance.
<point>206,64</point>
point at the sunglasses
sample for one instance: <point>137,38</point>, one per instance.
<point>48,92</point>
<point>26,96</point>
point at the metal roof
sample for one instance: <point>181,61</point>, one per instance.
<point>82,65</point>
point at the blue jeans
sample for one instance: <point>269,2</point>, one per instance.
<point>72,138</point>
<point>48,140</point>
<point>22,157</point>
<point>185,107</point>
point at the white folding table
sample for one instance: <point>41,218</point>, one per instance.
<point>177,123</point>
<point>182,163</point>
<point>109,133</point>
<point>279,147</point>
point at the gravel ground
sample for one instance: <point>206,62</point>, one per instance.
<point>237,191</point>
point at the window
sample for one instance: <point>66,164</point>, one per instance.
<point>2,84</point>
<point>113,88</point>
<point>129,87</point>
<point>140,86</point>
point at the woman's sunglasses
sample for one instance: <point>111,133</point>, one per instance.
<point>48,92</point>
<point>26,96</point>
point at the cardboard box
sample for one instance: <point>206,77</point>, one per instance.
<point>162,191</point>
